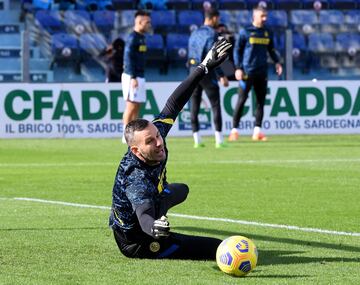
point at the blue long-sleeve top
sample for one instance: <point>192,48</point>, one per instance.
<point>134,55</point>
<point>251,48</point>
<point>200,42</point>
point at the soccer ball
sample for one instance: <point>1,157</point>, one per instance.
<point>236,255</point>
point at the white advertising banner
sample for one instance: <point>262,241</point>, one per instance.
<point>95,110</point>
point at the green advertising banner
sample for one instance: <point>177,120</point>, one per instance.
<point>95,110</point>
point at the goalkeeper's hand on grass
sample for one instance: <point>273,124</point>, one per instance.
<point>161,228</point>
<point>216,55</point>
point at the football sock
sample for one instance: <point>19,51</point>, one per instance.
<point>197,138</point>
<point>218,137</point>
<point>257,130</point>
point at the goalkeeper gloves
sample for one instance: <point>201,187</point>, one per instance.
<point>161,228</point>
<point>216,55</point>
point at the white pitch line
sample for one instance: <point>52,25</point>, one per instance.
<point>56,164</point>
<point>249,161</point>
<point>242,222</point>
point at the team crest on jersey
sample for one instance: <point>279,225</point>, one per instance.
<point>154,246</point>
<point>266,34</point>
<point>142,48</point>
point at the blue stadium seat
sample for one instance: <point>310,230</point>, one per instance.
<point>104,21</point>
<point>199,4</point>
<point>345,41</point>
<point>269,4</point>
<point>152,5</point>
<point>176,46</point>
<point>277,19</point>
<point>42,4</point>
<point>64,47</point>
<point>244,18</point>
<point>186,19</point>
<point>352,17</point>
<point>179,4</point>
<point>331,20</point>
<point>299,41</point>
<point>92,43</point>
<point>225,17</point>
<point>93,5</point>
<point>232,4</point>
<point>343,4</point>
<point>123,4</point>
<point>77,21</point>
<point>49,20</point>
<point>155,48</point>
<point>333,17</point>
<point>127,18</point>
<point>63,5</point>
<point>321,43</point>
<point>302,19</point>
<point>289,4</point>
<point>163,21</point>
<point>309,4</point>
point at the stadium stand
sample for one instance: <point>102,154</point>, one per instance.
<point>163,21</point>
<point>325,36</point>
<point>232,4</point>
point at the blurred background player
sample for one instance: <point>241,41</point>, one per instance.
<point>200,42</point>
<point>114,58</point>
<point>133,81</point>
<point>250,58</point>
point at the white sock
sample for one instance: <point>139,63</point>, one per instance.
<point>257,130</point>
<point>197,138</point>
<point>123,140</point>
<point>234,131</point>
<point>218,137</point>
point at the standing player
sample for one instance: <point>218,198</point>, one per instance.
<point>141,194</point>
<point>114,58</point>
<point>133,81</point>
<point>250,58</point>
<point>200,42</point>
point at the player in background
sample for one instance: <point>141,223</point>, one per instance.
<point>200,42</point>
<point>141,193</point>
<point>250,58</point>
<point>114,57</point>
<point>133,81</point>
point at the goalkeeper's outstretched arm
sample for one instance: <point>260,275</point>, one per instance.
<point>182,93</point>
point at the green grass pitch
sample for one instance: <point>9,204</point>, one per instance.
<point>304,181</point>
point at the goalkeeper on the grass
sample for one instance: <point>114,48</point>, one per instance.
<point>141,194</point>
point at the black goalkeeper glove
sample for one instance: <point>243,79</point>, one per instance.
<point>216,55</point>
<point>161,228</point>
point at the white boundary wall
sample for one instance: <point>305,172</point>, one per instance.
<point>95,109</point>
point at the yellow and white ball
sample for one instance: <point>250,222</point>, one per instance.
<point>237,255</point>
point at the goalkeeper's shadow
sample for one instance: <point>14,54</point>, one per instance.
<point>255,237</point>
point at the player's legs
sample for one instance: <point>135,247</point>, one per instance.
<point>211,88</point>
<point>213,92</point>
<point>195,108</point>
<point>190,247</point>
<point>176,246</point>
<point>243,94</point>
<point>172,195</point>
<point>195,102</point>
<point>133,97</point>
<point>131,112</point>
<point>260,88</point>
